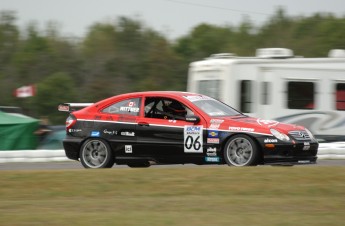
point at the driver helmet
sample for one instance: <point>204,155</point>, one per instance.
<point>176,108</point>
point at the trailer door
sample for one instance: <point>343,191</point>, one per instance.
<point>268,94</point>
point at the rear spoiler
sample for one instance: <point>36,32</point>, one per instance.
<point>69,107</point>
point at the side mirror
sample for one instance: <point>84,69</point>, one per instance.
<point>192,118</point>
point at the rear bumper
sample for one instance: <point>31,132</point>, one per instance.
<point>72,147</point>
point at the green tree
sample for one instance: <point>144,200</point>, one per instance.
<point>243,40</point>
<point>37,57</point>
<point>316,35</point>
<point>162,68</point>
<point>127,56</point>
<point>55,89</point>
<point>203,41</point>
<point>9,37</point>
<point>98,50</point>
<point>276,32</point>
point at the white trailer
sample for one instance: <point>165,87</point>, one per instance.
<point>277,85</point>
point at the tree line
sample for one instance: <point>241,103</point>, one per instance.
<point>125,56</point>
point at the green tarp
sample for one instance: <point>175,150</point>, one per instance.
<point>17,132</point>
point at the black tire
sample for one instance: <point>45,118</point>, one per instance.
<point>241,150</point>
<point>96,153</point>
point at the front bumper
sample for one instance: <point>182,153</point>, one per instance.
<point>283,160</point>
<point>291,154</point>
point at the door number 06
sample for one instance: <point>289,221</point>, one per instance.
<point>192,144</point>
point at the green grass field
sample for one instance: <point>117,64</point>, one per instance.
<point>216,195</point>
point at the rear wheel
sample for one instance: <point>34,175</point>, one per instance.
<point>96,153</point>
<point>241,150</point>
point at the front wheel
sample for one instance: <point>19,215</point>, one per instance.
<point>96,153</point>
<point>241,150</point>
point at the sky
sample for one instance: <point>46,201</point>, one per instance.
<point>173,18</point>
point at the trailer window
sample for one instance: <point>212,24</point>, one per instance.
<point>340,96</point>
<point>209,88</point>
<point>246,96</point>
<point>266,93</point>
<point>300,95</point>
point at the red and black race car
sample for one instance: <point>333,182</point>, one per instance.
<point>144,128</point>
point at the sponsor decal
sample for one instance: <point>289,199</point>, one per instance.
<point>196,98</point>
<point>193,139</point>
<point>172,121</point>
<point>215,123</point>
<point>267,140</point>
<point>219,113</point>
<point>110,132</point>
<point>193,129</point>
<point>214,126</point>
<point>129,109</point>
<point>97,117</point>
<point>213,133</point>
<point>306,146</point>
<point>128,134</point>
<point>191,119</point>
<point>128,149</point>
<point>240,129</point>
<point>268,123</point>
<point>95,133</point>
<point>74,130</point>
<point>213,140</point>
<point>211,151</point>
<point>212,159</point>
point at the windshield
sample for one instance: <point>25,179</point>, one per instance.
<point>213,107</point>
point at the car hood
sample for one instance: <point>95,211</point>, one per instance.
<point>251,125</point>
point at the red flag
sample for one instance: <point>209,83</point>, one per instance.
<point>25,91</point>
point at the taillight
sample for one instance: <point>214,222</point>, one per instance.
<point>70,121</point>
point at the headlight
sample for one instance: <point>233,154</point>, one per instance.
<point>310,134</point>
<point>279,135</point>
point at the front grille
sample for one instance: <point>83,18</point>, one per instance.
<point>301,135</point>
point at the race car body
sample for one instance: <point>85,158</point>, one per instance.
<point>144,128</point>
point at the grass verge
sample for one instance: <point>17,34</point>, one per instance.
<point>175,196</point>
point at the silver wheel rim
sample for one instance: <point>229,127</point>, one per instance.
<point>239,152</point>
<point>94,153</point>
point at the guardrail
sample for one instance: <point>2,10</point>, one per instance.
<point>331,150</point>
<point>33,156</point>
<point>326,151</point>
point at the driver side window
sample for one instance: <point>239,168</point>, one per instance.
<point>166,108</point>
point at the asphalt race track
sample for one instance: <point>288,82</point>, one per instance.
<point>76,165</point>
